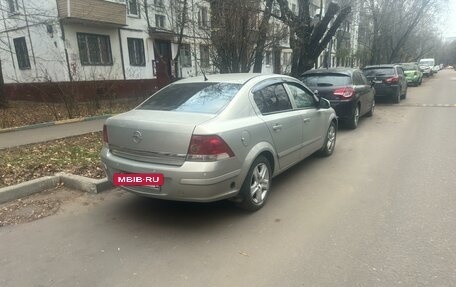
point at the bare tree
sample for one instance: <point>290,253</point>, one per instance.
<point>308,36</point>
<point>394,25</point>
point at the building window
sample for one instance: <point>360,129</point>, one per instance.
<point>22,55</point>
<point>159,21</point>
<point>293,8</point>
<point>133,7</point>
<point>94,49</point>
<point>203,17</point>
<point>268,58</point>
<point>13,7</point>
<point>158,3</point>
<point>204,56</point>
<point>136,52</point>
<point>185,56</point>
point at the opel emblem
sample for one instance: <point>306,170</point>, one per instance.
<point>137,137</point>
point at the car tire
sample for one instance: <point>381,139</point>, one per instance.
<point>397,96</point>
<point>404,96</point>
<point>330,141</point>
<point>255,189</point>
<point>352,123</point>
<point>370,113</point>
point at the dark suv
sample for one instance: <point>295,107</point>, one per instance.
<point>388,80</point>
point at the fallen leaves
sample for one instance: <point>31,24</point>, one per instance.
<point>78,155</point>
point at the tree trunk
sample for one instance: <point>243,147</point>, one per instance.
<point>3,100</point>
<point>262,37</point>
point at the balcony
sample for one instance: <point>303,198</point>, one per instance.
<point>98,12</point>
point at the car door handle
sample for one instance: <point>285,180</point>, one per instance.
<point>306,120</point>
<point>277,127</point>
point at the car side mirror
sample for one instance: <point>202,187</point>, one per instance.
<point>323,103</point>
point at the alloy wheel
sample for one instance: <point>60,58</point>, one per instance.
<point>259,183</point>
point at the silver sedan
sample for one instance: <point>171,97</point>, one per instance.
<point>224,136</point>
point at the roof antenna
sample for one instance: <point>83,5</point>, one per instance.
<point>202,71</point>
<point>204,74</point>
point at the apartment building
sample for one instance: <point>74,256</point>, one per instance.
<point>80,41</point>
<point>96,40</point>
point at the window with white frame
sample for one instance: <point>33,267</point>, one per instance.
<point>204,56</point>
<point>159,21</point>
<point>13,7</point>
<point>136,52</point>
<point>185,56</point>
<point>268,58</point>
<point>203,20</point>
<point>94,49</point>
<point>133,7</point>
<point>22,55</point>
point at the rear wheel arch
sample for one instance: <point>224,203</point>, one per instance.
<point>263,148</point>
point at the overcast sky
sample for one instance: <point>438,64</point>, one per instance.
<point>449,23</point>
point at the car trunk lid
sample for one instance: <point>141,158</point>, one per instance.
<point>160,137</point>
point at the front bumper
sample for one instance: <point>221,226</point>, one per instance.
<point>193,181</point>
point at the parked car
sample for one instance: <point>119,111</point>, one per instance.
<point>389,81</point>
<point>412,73</point>
<point>348,90</point>
<point>426,69</point>
<point>427,65</point>
<point>436,69</point>
<point>224,136</point>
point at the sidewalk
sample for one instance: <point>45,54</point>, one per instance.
<point>50,131</point>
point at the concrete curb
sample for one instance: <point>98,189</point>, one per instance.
<point>82,183</point>
<point>48,124</point>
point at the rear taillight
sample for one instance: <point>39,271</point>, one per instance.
<point>208,148</point>
<point>392,80</point>
<point>105,134</point>
<point>344,93</point>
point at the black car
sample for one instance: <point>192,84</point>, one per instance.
<point>389,81</point>
<point>350,93</point>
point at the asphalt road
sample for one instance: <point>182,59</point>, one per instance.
<point>380,212</point>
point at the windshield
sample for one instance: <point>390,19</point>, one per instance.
<point>378,72</point>
<point>427,62</point>
<point>209,98</point>
<point>326,80</point>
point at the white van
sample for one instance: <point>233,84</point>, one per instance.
<point>427,66</point>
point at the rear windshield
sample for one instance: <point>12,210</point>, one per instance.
<point>207,98</point>
<point>378,72</point>
<point>326,80</point>
<point>409,67</point>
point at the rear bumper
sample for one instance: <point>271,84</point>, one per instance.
<point>193,181</point>
<point>413,80</point>
<point>344,110</point>
<point>385,90</point>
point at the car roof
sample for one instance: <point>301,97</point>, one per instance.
<point>235,78</point>
<point>340,70</point>
<point>381,66</point>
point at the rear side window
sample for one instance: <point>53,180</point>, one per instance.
<point>272,99</point>
<point>208,98</point>
<point>378,72</point>
<point>326,80</point>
